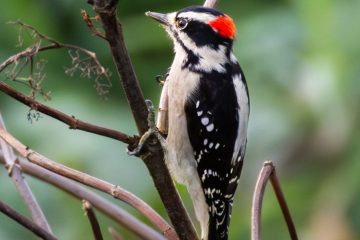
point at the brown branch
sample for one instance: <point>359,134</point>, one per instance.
<point>71,121</point>
<point>154,157</point>
<point>92,219</point>
<point>87,19</point>
<point>283,205</point>
<point>37,230</point>
<point>268,172</point>
<point>26,53</point>
<point>21,184</point>
<point>211,3</point>
<point>56,44</point>
<point>90,181</point>
<point>89,66</point>
<point>111,210</point>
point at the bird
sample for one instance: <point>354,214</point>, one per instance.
<point>208,112</point>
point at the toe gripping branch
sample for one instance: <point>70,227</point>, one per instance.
<point>152,131</point>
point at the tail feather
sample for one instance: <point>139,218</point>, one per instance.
<point>219,220</point>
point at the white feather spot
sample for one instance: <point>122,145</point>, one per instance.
<point>217,145</point>
<point>205,141</point>
<point>211,145</point>
<point>232,180</point>
<point>197,104</point>
<point>210,127</point>
<point>199,113</point>
<point>205,121</point>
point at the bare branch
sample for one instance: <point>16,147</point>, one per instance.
<point>87,19</point>
<point>115,191</point>
<point>154,157</point>
<point>268,172</point>
<point>21,184</point>
<point>117,214</point>
<point>211,3</point>
<point>88,66</point>
<point>39,231</point>
<point>257,200</point>
<point>24,54</point>
<point>93,220</point>
<point>283,205</point>
<point>69,120</point>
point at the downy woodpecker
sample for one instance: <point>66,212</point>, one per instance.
<point>208,113</point>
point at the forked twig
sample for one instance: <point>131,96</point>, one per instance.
<point>39,231</point>
<point>88,20</point>
<point>82,60</point>
<point>268,172</point>
<point>111,210</point>
<point>92,219</point>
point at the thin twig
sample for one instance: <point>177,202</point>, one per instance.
<point>24,54</point>
<point>257,200</point>
<point>154,158</point>
<point>88,20</point>
<point>92,219</point>
<point>57,44</point>
<point>21,184</point>
<point>211,3</point>
<point>115,235</point>
<point>283,205</point>
<point>27,223</point>
<point>82,60</point>
<point>268,172</point>
<point>71,121</point>
<point>111,210</point>
<point>90,181</point>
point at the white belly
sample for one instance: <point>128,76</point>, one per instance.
<point>179,151</point>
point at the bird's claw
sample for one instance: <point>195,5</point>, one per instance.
<point>151,131</point>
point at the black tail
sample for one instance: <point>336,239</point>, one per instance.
<point>220,220</point>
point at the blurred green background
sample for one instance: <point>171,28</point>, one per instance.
<point>301,60</point>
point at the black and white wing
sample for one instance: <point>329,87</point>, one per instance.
<point>216,121</point>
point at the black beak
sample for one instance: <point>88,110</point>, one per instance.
<point>161,18</point>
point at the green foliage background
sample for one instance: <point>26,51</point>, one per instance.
<point>301,60</point>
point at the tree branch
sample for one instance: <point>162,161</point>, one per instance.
<point>21,184</point>
<point>71,121</point>
<point>268,172</point>
<point>39,231</point>
<point>153,157</point>
<point>211,3</point>
<point>117,214</point>
<point>283,205</point>
<point>92,219</point>
<point>115,191</point>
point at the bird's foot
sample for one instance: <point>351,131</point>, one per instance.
<point>152,131</point>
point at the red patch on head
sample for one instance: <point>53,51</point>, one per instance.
<point>224,25</point>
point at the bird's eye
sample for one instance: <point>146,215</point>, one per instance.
<point>181,23</point>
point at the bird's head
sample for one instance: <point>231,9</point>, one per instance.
<point>196,27</point>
